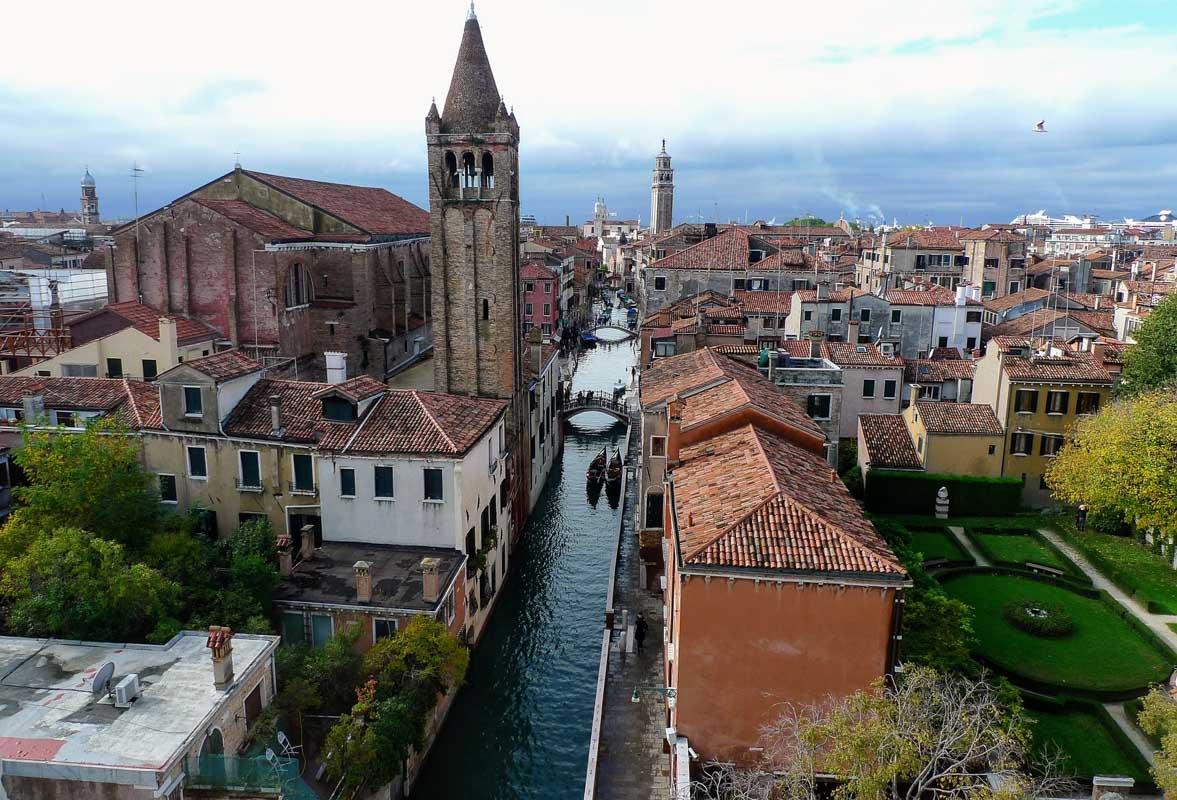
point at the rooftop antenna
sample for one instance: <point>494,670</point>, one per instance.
<point>470,14</point>
<point>236,159</point>
<point>136,171</point>
<point>102,678</point>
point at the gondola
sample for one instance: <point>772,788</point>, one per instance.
<point>596,470</point>
<point>613,472</point>
<point>588,340</point>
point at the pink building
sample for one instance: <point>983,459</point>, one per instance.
<point>541,298</point>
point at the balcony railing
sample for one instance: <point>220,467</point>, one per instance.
<point>248,486</point>
<point>295,488</point>
<point>240,774</point>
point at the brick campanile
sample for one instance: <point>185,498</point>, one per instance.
<point>662,193</point>
<point>474,224</point>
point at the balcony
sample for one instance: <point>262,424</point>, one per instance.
<point>249,486</point>
<point>295,488</point>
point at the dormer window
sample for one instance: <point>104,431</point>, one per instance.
<point>755,255</point>
<point>193,402</point>
<point>339,409</point>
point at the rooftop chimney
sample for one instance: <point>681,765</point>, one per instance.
<point>220,642</point>
<point>815,338</point>
<point>336,367</point>
<point>33,406</point>
<point>276,414</point>
<point>535,341</point>
<point>673,429</point>
<point>306,549</point>
<point>169,341</point>
<point>1097,351</point>
<point>852,331</point>
<point>363,572</point>
<point>285,555</point>
<point>962,294</point>
<point>430,579</point>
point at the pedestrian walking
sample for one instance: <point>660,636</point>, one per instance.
<point>640,629</point>
<point>1081,517</point>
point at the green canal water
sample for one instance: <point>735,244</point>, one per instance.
<point>519,728</point>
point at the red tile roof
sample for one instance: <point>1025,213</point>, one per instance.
<point>1047,319</point>
<point>533,270</point>
<point>373,211</point>
<point>726,330</point>
<point>146,320</point>
<point>927,295</point>
<point>223,366</point>
<point>888,444</point>
<point>934,239</point>
<point>1070,368</point>
<point>728,250</point>
<point>301,412</point>
<point>836,296</point>
<point>256,220</point>
<point>355,389</point>
<point>848,354</point>
<point>772,302</point>
<point>136,402</point>
<point>749,499</point>
<point>993,235</point>
<point>959,418</point>
<point>926,370</point>
<point>422,423</point>
<point>1029,295</point>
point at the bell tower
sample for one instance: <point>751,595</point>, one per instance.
<point>473,151</point>
<point>662,193</point>
<point>89,200</point>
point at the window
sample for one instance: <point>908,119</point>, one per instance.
<point>1057,402</point>
<point>991,263</point>
<point>529,286</point>
<point>547,309</point>
<point>1087,403</point>
<point>818,406</point>
<point>527,309</point>
<point>664,349</point>
<point>970,343</point>
<point>321,629</point>
<point>835,315</point>
<point>942,341</point>
<point>1021,444</point>
<point>383,629</point>
<point>738,284</point>
<point>1015,287</point>
<point>299,291</point>
<point>889,389</point>
<point>338,409</point>
<point>382,476</point>
<point>1026,401</point>
<point>449,608</point>
<point>251,469</point>
<point>931,392</point>
<point>149,369</point>
<point>896,316</point>
<point>1050,445</point>
<point>659,283</point>
<point>485,308</point>
<point>347,482</point>
<point>919,443</point>
<point>972,316</point>
<point>654,509</point>
<point>114,368</point>
<point>293,628</point>
<point>868,387</point>
<point>167,489</point>
<point>547,287</point>
<point>992,449</point>
<point>433,484</point>
<point>658,446</point>
<point>77,371</point>
<point>193,403</point>
<point>64,418</point>
<point>988,288</point>
<point>864,315</point>
<point>807,315</point>
<point>197,466</point>
<point>304,472</point>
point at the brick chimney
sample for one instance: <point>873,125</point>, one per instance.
<point>852,331</point>
<point>430,579</point>
<point>363,573</point>
<point>170,343</point>
<point>673,429</point>
<point>336,366</point>
<point>307,546</point>
<point>285,555</point>
<point>276,414</point>
<point>220,642</point>
<point>815,344</point>
<point>1098,349</point>
<point>535,342</point>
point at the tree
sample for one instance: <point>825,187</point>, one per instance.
<point>72,584</point>
<point>369,745</point>
<point>90,480</point>
<point>1151,363</point>
<point>422,655</point>
<point>1121,461</point>
<point>1158,718</point>
<point>920,735</point>
<point>808,220</point>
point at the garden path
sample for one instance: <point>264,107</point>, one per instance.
<point>1120,715</point>
<point>967,544</point>
<point>1155,622</point>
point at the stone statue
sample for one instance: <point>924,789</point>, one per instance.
<point>942,503</point>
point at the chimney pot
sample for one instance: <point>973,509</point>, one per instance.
<point>430,579</point>
<point>276,414</point>
<point>307,544</point>
<point>336,366</point>
<point>285,555</point>
<point>220,643</point>
<point>363,573</point>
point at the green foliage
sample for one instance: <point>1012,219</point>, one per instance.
<point>71,584</point>
<point>809,220</point>
<point>1017,546</point>
<point>368,746</point>
<point>1151,363</point>
<point>1158,719</point>
<point>899,492</point>
<point>1038,618</point>
<point>853,480</point>
<point>1086,738</point>
<point>937,543</point>
<point>1128,564</point>
<point>90,480</point>
<point>1107,521</point>
<point>423,653</point>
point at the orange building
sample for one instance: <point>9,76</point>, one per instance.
<point>778,589</point>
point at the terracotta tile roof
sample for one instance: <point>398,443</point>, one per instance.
<point>1047,265</point>
<point>373,211</point>
<point>723,312</point>
<point>141,410</point>
<point>223,366</point>
<point>301,415</point>
<point>772,302</point>
<point>927,295</point>
<point>848,354</point>
<point>959,418</point>
<point>410,421</point>
<point>684,325</point>
<point>926,370</point>
<point>934,239</point>
<point>1029,295</point>
<point>728,250</point>
<point>1070,368</point>
<point>749,499</point>
<point>1049,318</point>
<point>888,444</point>
<point>1110,274</point>
<point>355,389</point>
<point>549,352</point>
<point>83,394</point>
<point>836,296</point>
<point>737,349</point>
<point>992,235</point>
<point>686,306</point>
<point>533,270</point>
<point>726,330</point>
<point>256,220</point>
<point>146,320</point>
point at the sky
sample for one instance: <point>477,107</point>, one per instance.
<point>916,110</point>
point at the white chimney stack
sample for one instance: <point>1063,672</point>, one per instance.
<point>336,367</point>
<point>276,414</point>
<point>169,341</point>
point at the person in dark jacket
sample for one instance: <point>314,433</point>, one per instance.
<point>640,629</point>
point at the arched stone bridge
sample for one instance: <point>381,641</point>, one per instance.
<point>601,402</point>
<point>628,333</point>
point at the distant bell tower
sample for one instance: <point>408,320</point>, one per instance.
<point>89,199</point>
<point>662,193</point>
<point>473,150</point>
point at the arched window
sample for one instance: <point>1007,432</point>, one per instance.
<point>214,743</point>
<point>485,308</point>
<point>451,168</point>
<point>488,171</point>
<point>299,291</point>
<point>468,171</point>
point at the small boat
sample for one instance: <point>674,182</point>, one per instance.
<point>613,471</point>
<point>596,470</point>
<point>587,339</point>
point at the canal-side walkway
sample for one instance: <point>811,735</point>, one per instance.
<point>631,764</point>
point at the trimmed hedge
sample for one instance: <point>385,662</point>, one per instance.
<point>1048,620</point>
<point>1069,568</point>
<point>898,492</point>
<point>1062,704</point>
<point>1127,575</point>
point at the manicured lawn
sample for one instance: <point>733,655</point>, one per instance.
<point>1089,745</point>
<point>1129,565</point>
<point>936,543</point>
<point>1104,653</point>
<point>1019,545</point>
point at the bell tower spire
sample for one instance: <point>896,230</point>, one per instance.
<point>662,193</point>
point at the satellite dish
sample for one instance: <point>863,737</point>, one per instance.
<point>102,679</point>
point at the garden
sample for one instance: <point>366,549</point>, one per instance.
<point>936,544</point>
<point>1019,546</point>
<point>1089,741</point>
<point>1130,565</point>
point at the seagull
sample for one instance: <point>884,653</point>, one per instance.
<point>1040,127</point>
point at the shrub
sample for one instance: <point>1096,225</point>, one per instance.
<point>1107,521</point>
<point>1039,618</point>
<point>896,492</point>
<point>853,480</point>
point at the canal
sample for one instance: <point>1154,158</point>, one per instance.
<point>519,728</point>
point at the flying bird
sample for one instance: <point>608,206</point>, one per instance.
<point>1040,127</point>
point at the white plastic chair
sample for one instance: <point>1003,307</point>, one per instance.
<point>288,749</point>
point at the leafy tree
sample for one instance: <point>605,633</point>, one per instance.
<point>938,632</point>
<point>90,480</point>
<point>422,654</point>
<point>1121,461</point>
<point>71,584</point>
<point>1151,363</point>
<point>369,745</point>
<point>1158,718</point>
<point>809,220</point>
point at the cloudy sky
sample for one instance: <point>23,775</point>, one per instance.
<point>915,109</point>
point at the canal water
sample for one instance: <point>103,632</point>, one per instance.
<point>520,726</point>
